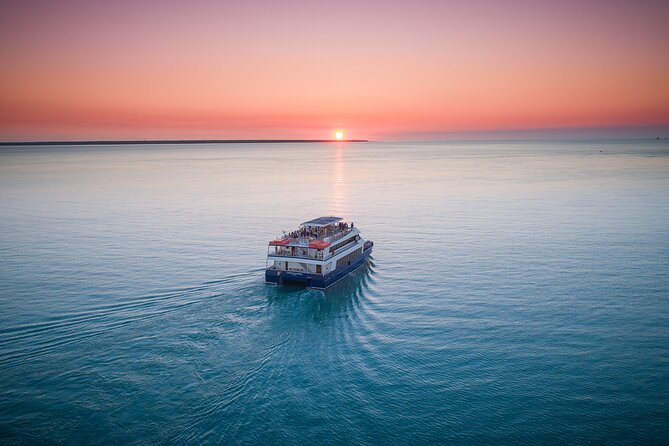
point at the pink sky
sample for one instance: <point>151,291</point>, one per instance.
<point>301,69</point>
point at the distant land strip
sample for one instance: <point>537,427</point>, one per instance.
<point>172,141</point>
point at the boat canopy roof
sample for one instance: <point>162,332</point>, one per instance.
<point>319,244</point>
<point>321,221</point>
<point>280,242</point>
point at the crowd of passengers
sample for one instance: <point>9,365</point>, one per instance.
<point>320,233</point>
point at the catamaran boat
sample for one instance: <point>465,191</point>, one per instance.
<point>318,254</point>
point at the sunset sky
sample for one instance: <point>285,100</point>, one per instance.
<point>301,69</point>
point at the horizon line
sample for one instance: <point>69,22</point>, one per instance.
<point>171,141</point>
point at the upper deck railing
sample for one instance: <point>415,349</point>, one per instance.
<point>338,235</point>
<point>305,235</point>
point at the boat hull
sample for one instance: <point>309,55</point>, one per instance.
<point>315,281</point>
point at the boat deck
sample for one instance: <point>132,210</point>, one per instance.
<point>303,239</point>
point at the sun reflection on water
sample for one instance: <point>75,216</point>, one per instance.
<point>339,205</point>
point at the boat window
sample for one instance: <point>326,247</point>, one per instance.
<point>348,258</point>
<point>343,243</point>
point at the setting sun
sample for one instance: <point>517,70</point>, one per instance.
<point>339,134</point>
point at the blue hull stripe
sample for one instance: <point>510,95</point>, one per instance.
<point>316,281</point>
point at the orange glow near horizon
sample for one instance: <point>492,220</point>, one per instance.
<point>251,70</point>
<point>339,135</point>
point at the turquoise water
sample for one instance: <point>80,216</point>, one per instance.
<point>518,293</point>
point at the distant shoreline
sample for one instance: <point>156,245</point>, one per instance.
<point>172,141</point>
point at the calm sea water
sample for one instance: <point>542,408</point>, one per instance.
<point>518,293</point>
